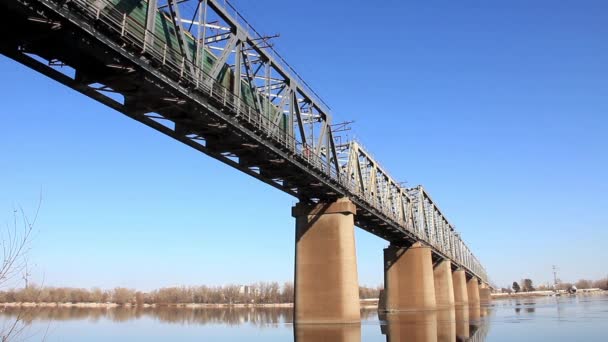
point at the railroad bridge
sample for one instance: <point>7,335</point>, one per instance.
<point>196,71</point>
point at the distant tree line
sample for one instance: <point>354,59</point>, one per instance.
<point>370,292</point>
<point>527,285</point>
<point>258,293</point>
<point>585,284</point>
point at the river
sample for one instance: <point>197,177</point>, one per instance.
<point>582,318</point>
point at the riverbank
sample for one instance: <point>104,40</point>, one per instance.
<point>114,305</point>
<point>547,293</point>
<point>365,304</point>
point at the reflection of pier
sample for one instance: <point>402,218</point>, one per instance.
<point>327,332</point>
<point>412,326</point>
<point>446,325</point>
<point>481,331</point>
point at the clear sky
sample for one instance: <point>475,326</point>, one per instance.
<point>499,108</point>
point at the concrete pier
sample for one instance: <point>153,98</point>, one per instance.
<point>444,287</point>
<point>326,281</point>
<point>408,278</point>
<point>484,294</point>
<point>473,291</point>
<point>460,287</point>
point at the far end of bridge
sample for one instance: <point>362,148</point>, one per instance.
<point>326,280</point>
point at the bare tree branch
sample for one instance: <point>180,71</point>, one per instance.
<point>15,244</point>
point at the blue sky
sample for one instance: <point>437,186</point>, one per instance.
<point>500,109</point>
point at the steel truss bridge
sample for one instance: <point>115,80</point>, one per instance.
<point>196,71</point>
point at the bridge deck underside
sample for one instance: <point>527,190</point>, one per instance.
<point>51,42</point>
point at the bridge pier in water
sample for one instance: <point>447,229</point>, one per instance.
<point>444,287</point>
<point>473,291</point>
<point>408,278</point>
<point>326,280</point>
<point>459,279</point>
<point>484,294</point>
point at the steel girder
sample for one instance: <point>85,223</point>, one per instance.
<point>284,136</point>
<point>413,209</point>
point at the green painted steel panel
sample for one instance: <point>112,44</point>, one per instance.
<point>166,40</point>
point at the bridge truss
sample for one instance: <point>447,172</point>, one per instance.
<point>219,86</point>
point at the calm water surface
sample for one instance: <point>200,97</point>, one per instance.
<point>582,318</point>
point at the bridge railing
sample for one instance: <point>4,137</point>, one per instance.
<point>131,31</point>
<point>410,209</point>
<point>239,18</point>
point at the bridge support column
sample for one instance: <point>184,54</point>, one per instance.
<point>473,291</point>
<point>444,287</point>
<point>484,294</point>
<point>459,280</point>
<point>326,280</point>
<point>408,278</point>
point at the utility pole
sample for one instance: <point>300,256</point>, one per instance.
<point>555,277</point>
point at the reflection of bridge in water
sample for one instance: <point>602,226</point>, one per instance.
<point>199,73</point>
<point>444,325</point>
<point>448,325</point>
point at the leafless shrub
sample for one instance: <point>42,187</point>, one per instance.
<point>601,284</point>
<point>584,284</point>
<point>370,292</point>
<point>258,293</point>
<point>15,241</point>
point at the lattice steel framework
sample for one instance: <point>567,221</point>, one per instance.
<point>208,79</point>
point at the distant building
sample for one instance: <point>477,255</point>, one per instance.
<point>245,290</point>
